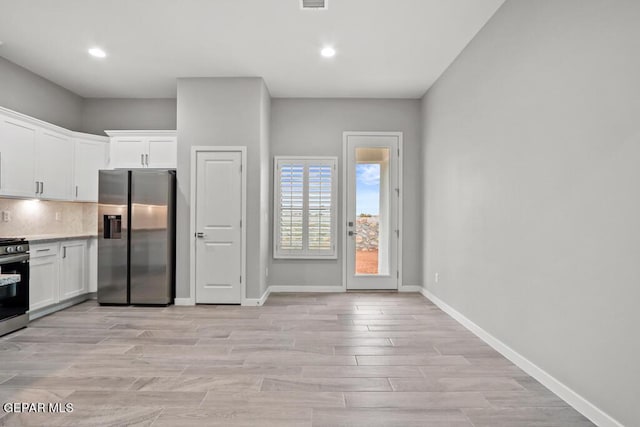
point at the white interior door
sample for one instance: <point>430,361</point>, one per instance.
<point>372,205</point>
<point>219,199</point>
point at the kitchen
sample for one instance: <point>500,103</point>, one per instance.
<point>319,212</point>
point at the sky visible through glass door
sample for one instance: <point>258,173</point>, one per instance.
<point>368,189</point>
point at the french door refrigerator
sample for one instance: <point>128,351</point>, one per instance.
<point>136,237</point>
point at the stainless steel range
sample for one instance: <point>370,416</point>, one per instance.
<point>14,284</point>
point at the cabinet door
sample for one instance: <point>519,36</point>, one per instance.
<point>163,152</point>
<point>73,268</point>
<point>53,166</point>
<point>17,158</point>
<point>43,282</point>
<point>128,152</point>
<point>90,157</point>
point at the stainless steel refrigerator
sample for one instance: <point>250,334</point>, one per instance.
<point>136,237</point>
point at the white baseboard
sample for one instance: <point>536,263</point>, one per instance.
<point>282,289</point>
<point>410,288</point>
<point>184,301</point>
<point>579,403</point>
<point>257,302</point>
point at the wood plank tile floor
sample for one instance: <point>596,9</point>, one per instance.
<point>354,359</point>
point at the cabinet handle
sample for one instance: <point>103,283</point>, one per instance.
<point>64,252</point>
<point>41,187</point>
<point>142,159</point>
<point>76,191</point>
<point>37,187</point>
<point>43,250</point>
<point>146,159</point>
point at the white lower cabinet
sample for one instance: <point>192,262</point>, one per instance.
<point>73,269</point>
<point>58,271</point>
<point>43,276</point>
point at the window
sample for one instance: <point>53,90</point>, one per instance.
<point>305,207</point>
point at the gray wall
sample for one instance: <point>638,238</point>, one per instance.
<point>224,112</point>
<point>314,127</point>
<point>532,153</point>
<point>265,185</point>
<point>100,114</point>
<point>28,93</point>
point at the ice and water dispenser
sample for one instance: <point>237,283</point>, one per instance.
<point>112,226</point>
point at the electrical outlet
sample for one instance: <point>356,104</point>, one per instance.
<point>58,216</point>
<point>6,216</point>
<point>437,277</point>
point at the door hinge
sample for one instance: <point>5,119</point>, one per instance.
<point>398,233</point>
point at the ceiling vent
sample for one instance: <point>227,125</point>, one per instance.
<point>313,4</point>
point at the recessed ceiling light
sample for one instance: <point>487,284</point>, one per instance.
<point>97,52</point>
<point>328,52</point>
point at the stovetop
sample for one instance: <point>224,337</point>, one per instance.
<point>11,240</point>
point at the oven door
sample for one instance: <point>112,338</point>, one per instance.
<point>14,297</point>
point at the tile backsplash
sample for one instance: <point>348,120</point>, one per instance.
<point>31,217</point>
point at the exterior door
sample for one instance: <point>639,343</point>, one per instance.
<point>372,189</point>
<point>219,199</point>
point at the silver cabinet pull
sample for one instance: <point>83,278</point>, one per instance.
<point>41,187</point>
<point>146,156</point>
<point>64,252</point>
<point>37,187</point>
<point>43,250</point>
<point>142,159</point>
<point>76,191</point>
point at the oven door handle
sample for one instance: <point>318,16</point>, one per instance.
<point>13,258</point>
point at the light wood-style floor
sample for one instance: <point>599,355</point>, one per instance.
<point>355,359</point>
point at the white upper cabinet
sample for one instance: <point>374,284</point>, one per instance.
<point>41,160</point>
<point>128,153</point>
<point>17,157</point>
<point>143,149</point>
<point>91,155</point>
<point>54,157</point>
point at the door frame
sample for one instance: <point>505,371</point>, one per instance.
<point>345,191</point>
<point>193,208</point>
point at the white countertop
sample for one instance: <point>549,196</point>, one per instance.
<point>41,238</point>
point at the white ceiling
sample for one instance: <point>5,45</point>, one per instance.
<point>386,48</point>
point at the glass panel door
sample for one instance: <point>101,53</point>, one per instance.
<point>372,206</point>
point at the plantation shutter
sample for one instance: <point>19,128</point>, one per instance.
<point>305,208</point>
<point>291,207</point>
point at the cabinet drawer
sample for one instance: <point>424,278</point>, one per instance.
<point>42,250</point>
